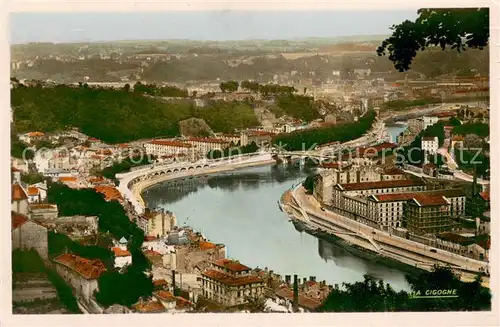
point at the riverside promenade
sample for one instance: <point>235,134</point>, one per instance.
<point>305,208</point>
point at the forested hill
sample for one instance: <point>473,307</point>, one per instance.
<point>116,116</point>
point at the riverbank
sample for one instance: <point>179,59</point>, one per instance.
<point>375,241</point>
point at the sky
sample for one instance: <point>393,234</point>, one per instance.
<point>201,25</point>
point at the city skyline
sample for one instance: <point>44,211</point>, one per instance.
<point>201,26</point>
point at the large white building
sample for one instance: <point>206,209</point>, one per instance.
<point>161,148</point>
<point>430,144</point>
<point>204,145</point>
<point>230,283</point>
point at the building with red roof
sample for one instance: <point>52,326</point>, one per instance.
<point>28,234</point>
<point>230,283</point>
<point>80,273</point>
<point>19,199</point>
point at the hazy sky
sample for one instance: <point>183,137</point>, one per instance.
<point>201,25</point>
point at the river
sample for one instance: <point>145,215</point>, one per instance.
<point>394,130</point>
<point>240,209</point>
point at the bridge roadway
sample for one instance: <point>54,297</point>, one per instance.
<point>132,183</point>
<point>311,207</point>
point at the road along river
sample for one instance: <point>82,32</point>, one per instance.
<point>239,208</point>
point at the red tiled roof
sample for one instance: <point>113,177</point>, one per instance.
<point>430,200</point>
<point>207,245</point>
<point>382,184</point>
<point>455,238</point>
<point>18,219</point>
<point>149,307</point>
<point>207,140</point>
<point>485,195</point>
<point>393,171</point>
<point>151,252</point>
<point>110,193</point>
<point>448,193</point>
<point>159,282</point>
<point>261,133</point>
<point>33,191</point>
<point>67,179</point>
<point>180,302</point>
<point>35,134</point>
<point>18,193</point>
<point>165,296</point>
<point>231,265</point>
<point>120,252</point>
<point>175,144</point>
<point>304,301</point>
<point>230,280</point>
<point>43,206</point>
<point>89,269</point>
<point>429,138</point>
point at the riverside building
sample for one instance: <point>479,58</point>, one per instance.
<point>230,283</point>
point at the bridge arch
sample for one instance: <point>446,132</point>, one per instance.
<point>169,171</point>
<point>183,168</point>
<point>191,168</point>
<point>205,166</point>
<point>198,167</point>
<point>176,170</point>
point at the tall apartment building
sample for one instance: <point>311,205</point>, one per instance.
<point>230,283</point>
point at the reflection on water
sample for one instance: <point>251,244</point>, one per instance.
<point>240,209</point>
<point>394,130</point>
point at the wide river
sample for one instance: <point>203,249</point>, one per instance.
<point>240,209</point>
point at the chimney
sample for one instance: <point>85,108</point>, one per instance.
<point>174,289</point>
<point>311,278</point>
<point>295,293</point>
<point>288,280</point>
<point>304,280</point>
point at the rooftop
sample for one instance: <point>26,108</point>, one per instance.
<point>231,280</point>
<point>382,184</point>
<point>176,144</point>
<point>231,265</point>
<point>430,200</point>
<point>89,269</point>
<point>448,193</point>
<point>207,140</point>
<point>207,245</point>
<point>110,193</point>
<point>18,193</point>
<point>304,301</point>
<point>159,282</point>
<point>18,219</point>
<point>429,138</point>
<point>485,195</point>
<point>456,238</point>
<point>33,191</point>
<point>149,307</point>
<point>120,252</point>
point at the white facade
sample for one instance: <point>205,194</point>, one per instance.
<point>430,144</point>
<point>429,121</point>
<point>161,148</point>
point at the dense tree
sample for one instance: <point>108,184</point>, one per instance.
<point>472,141</point>
<point>115,116</point>
<point>459,28</point>
<point>454,121</point>
<point>308,184</point>
<point>479,129</point>
<point>233,151</point>
<point>371,295</point>
<point>298,106</point>
<point>32,178</point>
<point>305,139</point>
<point>125,165</point>
<point>231,86</point>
